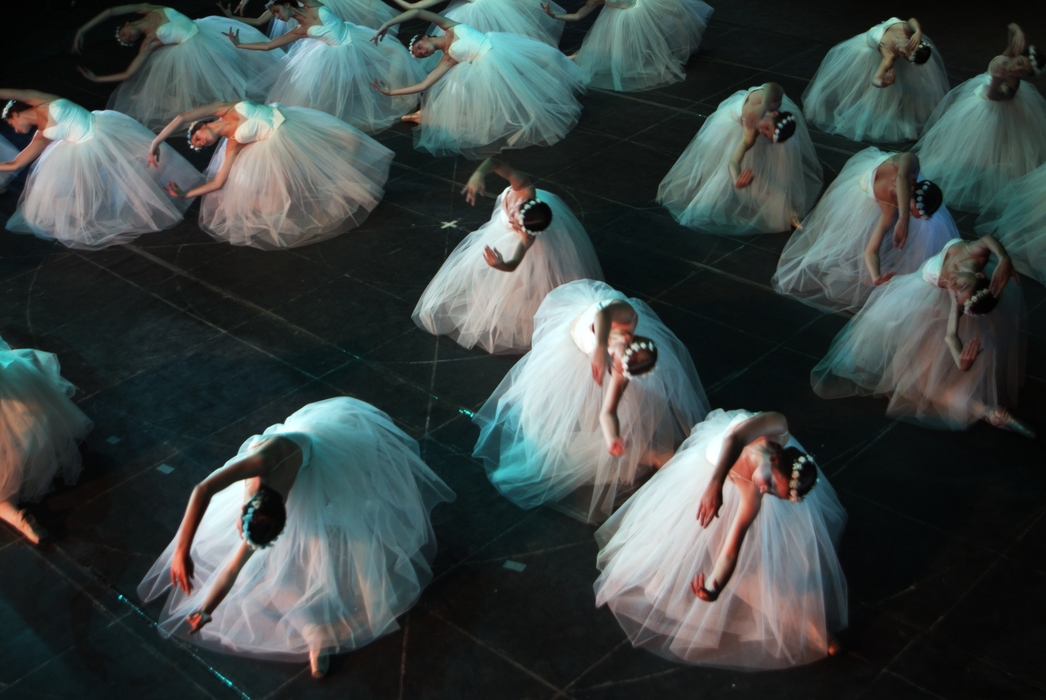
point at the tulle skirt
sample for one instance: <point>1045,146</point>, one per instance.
<point>842,100</point>
<point>973,147</point>
<point>337,80</point>
<point>477,305</point>
<point>787,593</point>
<point>700,193</point>
<point>354,554</point>
<point>7,154</point>
<point>540,439</point>
<point>823,262</point>
<point>518,94</point>
<point>642,46</point>
<point>366,13</point>
<point>205,68</point>
<point>895,347</point>
<point>1017,218</point>
<point>314,178</point>
<point>40,426</point>
<point>511,16</point>
<point>101,192</point>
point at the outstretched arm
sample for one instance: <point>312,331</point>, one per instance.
<point>140,8</point>
<point>223,583</point>
<point>232,149</point>
<point>252,21</point>
<point>742,178</point>
<point>963,356</point>
<point>33,98</point>
<point>727,559</point>
<point>493,257</point>
<point>476,186</point>
<point>424,15</point>
<point>215,109</point>
<point>147,47</point>
<point>420,5</point>
<point>582,12</point>
<point>290,37</point>
<point>28,154</point>
<point>871,251</point>
<point>445,64</point>
<point>1004,271</point>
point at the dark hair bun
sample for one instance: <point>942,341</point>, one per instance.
<point>263,517</point>
<point>921,54</point>
<point>536,215</point>
<point>640,356</point>
<point>807,477</point>
<point>14,107</point>
<point>928,197</point>
<point>784,126</point>
<point>981,301</point>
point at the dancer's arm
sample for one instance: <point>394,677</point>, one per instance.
<point>420,5</point>
<point>290,37</point>
<point>917,35</point>
<point>1004,271</point>
<point>28,154</point>
<point>871,251</point>
<point>884,75</point>
<point>492,256</point>
<point>907,173</point>
<point>770,423</point>
<point>964,356</point>
<point>33,98</point>
<point>476,186</point>
<point>582,12</point>
<point>1017,44</point>
<point>232,149</point>
<point>252,21</point>
<point>142,8</point>
<point>220,588</point>
<point>215,109</point>
<point>727,559</point>
<point>742,178</point>
<point>608,421</point>
<point>149,45</point>
<point>445,64</point>
<point>424,15</point>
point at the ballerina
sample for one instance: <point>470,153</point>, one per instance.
<point>754,582</point>
<point>728,180</point>
<point>637,44</point>
<point>987,132</point>
<point>331,69</point>
<point>480,297</point>
<point>841,251</point>
<point>282,176</point>
<point>40,428</point>
<point>558,430</point>
<point>862,91</point>
<point>338,500</point>
<point>511,16</point>
<point>944,343</point>
<point>1017,219</point>
<point>365,13</point>
<point>489,92</point>
<point>88,187</point>
<point>181,63</point>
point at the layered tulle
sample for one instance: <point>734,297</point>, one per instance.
<point>895,347</point>
<point>7,154</point>
<point>1017,218</point>
<point>842,100</point>
<point>366,13</point>
<point>477,305</point>
<point>972,146</point>
<point>823,262</point>
<point>786,177</point>
<point>643,45</point>
<point>354,554</point>
<point>540,439</point>
<point>100,192</point>
<point>337,79</point>
<point>519,93</point>
<point>40,426</point>
<point>205,68</point>
<point>787,593</point>
<point>314,178</point>
<point>512,16</point>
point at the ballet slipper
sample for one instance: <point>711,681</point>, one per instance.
<point>834,647</point>
<point>1002,418</point>
<point>30,528</point>
<point>319,663</point>
<point>413,118</point>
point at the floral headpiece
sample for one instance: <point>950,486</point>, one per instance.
<point>793,483</point>
<point>247,517</point>
<point>911,54</point>
<point>193,128</point>
<point>119,40</point>
<point>410,46</point>
<point>781,125</point>
<point>1037,63</point>
<point>523,214</point>
<point>968,304</point>
<point>635,346</point>
<point>7,109</point>
<point>920,192</point>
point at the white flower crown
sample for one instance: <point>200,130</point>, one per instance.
<point>120,41</point>
<point>634,347</point>
<point>793,483</point>
<point>780,125</point>
<point>911,56</point>
<point>968,304</point>
<point>246,518</point>
<point>523,213</point>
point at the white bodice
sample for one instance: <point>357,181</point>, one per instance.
<point>584,332</point>
<point>333,31</point>
<point>931,269</point>
<point>469,44</point>
<point>72,123</point>
<point>867,180</point>
<point>259,121</point>
<point>177,30</point>
<point>875,34</point>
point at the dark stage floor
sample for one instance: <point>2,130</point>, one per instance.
<point>181,347</point>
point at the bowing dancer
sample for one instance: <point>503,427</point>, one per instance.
<point>988,131</point>
<point>944,344</point>
<point>637,44</point>
<point>332,65</point>
<point>365,13</point>
<point>729,180</point>
<point>324,544</point>
<point>489,92</point>
<point>878,86</point>
<point>511,16</point>
<point>585,415</point>
<point>40,428</point>
<point>181,63</point>
<point>841,252</point>
<point>282,176</point>
<point>88,187</point>
<point>1017,219</point>
<point>492,284</point>
<point>753,582</point>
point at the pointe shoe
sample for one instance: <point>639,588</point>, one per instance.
<point>319,663</point>
<point>32,530</point>
<point>834,647</point>
<point>413,118</point>
<point>797,223</point>
<point>1002,418</point>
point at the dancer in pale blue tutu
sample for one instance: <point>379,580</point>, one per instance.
<point>1017,218</point>
<point>512,16</point>
<point>637,44</point>
<point>489,92</point>
<point>365,13</point>
<point>7,154</point>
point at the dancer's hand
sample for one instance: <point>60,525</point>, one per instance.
<point>900,231</point>
<point>78,42</point>
<point>474,188</point>
<point>87,74</point>
<point>711,502</point>
<point>889,77</point>
<point>379,35</point>
<point>492,257</point>
<point>1003,272</point>
<point>381,87</point>
<point>154,155</point>
<point>197,620</point>
<point>234,36</point>
<point>618,446</point>
<point>174,190</point>
<point>698,588</point>
<point>182,571</point>
<point>744,179</point>
<point>241,7</point>
<point>599,364</point>
<point>884,278</point>
<point>547,7</point>
<point>913,43</point>
<point>969,354</point>
<point>227,9</point>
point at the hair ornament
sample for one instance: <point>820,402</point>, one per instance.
<point>920,190</point>
<point>7,109</point>
<point>968,304</point>
<point>119,40</point>
<point>634,347</point>
<point>523,215</point>
<point>1038,61</point>
<point>781,125</point>
<point>793,483</point>
<point>410,46</point>
<point>193,128</point>
<point>246,518</point>
<point>912,54</point>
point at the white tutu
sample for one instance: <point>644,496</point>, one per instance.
<point>540,439</point>
<point>786,177</point>
<point>337,79</point>
<point>895,347</point>
<point>842,100</point>
<point>1017,218</point>
<point>642,46</point>
<point>511,16</point>
<point>7,154</point>
<point>477,305</point>
<point>206,67</point>
<point>507,91</point>
<point>787,593</point>
<point>973,146</point>
<point>365,13</point>
<point>823,262</point>
<point>40,426</point>
<point>314,178</point>
<point>354,554</point>
<point>99,191</point>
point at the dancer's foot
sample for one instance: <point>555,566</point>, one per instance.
<point>319,663</point>
<point>27,525</point>
<point>413,118</point>
<point>797,223</point>
<point>1002,418</point>
<point>834,647</point>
